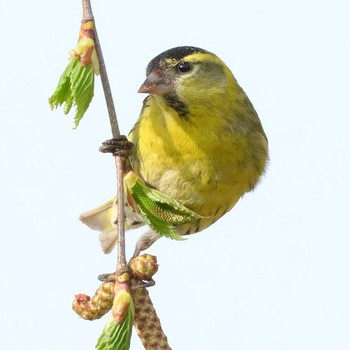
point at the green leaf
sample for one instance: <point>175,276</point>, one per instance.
<point>160,212</point>
<point>75,87</point>
<point>116,336</point>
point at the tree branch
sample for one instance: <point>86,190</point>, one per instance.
<point>119,161</point>
<point>146,320</point>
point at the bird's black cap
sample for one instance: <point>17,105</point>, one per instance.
<point>177,53</point>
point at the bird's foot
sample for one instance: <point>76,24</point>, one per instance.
<point>119,146</point>
<point>146,284</point>
<point>107,277</point>
<point>111,277</point>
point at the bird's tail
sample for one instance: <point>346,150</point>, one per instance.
<point>104,219</point>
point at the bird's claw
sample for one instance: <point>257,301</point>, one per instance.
<point>111,277</point>
<point>107,277</point>
<point>119,146</point>
<point>146,284</point>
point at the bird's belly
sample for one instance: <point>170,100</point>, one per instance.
<point>205,171</point>
<point>203,185</point>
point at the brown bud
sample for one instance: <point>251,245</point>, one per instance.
<point>144,266</point>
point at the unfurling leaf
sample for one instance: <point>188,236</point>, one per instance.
<point>161,212</point>
<point>117,333</point>
<point>76,84</point>
<point>116,336</point>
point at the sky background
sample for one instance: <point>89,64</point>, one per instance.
<point>273,273</point>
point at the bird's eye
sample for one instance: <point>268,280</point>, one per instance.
<point>184,67</point>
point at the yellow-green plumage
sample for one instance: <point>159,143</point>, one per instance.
<point>198,138</point>
<point>208,159</point>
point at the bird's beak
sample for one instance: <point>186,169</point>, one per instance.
<point>156,83</point>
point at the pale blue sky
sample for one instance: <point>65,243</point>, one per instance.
<point>272,274</point>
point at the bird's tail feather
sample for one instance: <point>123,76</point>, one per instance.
<point>104,219</point>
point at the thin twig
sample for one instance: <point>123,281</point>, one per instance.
<point>88,16</point>
<point>153,336</point>
<point>121,261</point>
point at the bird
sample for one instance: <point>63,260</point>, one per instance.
<point>198,140</point>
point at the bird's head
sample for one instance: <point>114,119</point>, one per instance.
<point>188,76</point>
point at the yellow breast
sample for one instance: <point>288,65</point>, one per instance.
<point>197,161</point>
